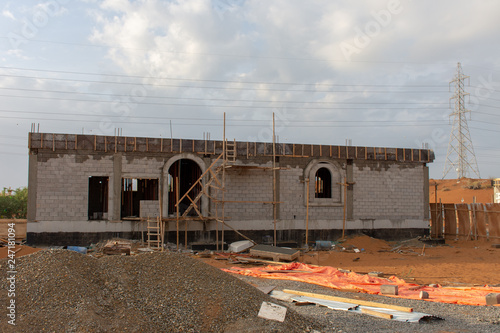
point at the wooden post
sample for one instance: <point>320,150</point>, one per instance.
<point>160,191</point>
<point>216,226</point>
<point>224,161</point>
<point>474,216</point>
<point>344,185</point>
<point>307,212</point>
<point>177,209</point>
<point>274,180</point>
<point>436,230</point>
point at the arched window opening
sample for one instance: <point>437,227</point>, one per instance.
<point>323,183</point>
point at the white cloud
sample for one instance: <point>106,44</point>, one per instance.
<point>8,14</point>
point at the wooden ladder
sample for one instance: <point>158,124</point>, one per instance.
<point>154,233</point>
<point>231,151</point>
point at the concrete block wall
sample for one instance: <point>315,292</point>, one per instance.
<point>388,191</point>
<point>292,194</point>
<point>149,208</point>
<point>386,194</point>
<point>142,167</point>
<point>63,185</point>
<point>249,185</point>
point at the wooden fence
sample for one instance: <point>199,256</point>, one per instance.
<point>465,221</point>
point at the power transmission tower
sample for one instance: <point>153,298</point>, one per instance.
<point>460,156</point>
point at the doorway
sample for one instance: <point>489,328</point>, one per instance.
<point>187,172</point>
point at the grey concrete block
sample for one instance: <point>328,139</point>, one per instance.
<point>493,298</point>
<point>387,289</point>
<point>423,295</point>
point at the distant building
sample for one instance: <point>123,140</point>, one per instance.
<point>85,188</point>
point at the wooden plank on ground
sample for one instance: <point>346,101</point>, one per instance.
<point>349,300</point>
<point>377,314</point>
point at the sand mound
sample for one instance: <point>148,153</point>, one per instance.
<point>367,243</point>
<point>60,290</point>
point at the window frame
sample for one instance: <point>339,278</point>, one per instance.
<point>337,175</point>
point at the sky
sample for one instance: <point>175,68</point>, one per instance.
<point>374,72</point>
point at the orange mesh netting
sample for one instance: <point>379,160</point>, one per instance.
<point>333,278</point>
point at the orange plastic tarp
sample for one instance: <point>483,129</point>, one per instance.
<point>330,277</point>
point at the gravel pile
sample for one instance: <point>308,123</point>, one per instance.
<point>64,291</point>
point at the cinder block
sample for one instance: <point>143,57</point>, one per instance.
<point>387,289</point>
<point>424,295</point>
<point>492,299</point>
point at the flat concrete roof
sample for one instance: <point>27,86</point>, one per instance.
<point>65,143</point>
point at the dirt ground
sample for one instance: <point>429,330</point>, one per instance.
<point>461,191</point>
<point>457,263</point>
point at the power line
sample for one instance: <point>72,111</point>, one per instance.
<point>213,99</point>
<point>219,125</point>
<point>217,81</point>
<point>221,88</point>
<point>237,55</point>
<point>218,106</point>
<point>217,119</point>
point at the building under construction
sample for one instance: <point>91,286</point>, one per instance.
<point>85,188</point>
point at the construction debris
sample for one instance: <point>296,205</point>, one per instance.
<point>240,246</point>
<point>389,289</point>
<point>275,253</point>
<point>272,311</point>
<point>379,310</point>
<point>493,299</point>
<point>423,295</point>
<point>79,249</point>
<point>117,247</point>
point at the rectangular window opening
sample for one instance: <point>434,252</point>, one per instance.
<point>98,198</point>
<point>133,191</point>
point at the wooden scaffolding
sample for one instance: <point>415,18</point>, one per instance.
<point>214,188</point>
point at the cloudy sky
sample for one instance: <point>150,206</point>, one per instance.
<point>375,72</point>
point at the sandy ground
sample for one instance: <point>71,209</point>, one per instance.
<point>457,263</point>
<point>457,191</point>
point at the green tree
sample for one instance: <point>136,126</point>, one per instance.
<point>14,206</point>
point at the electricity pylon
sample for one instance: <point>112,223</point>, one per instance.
<point>460,156</point>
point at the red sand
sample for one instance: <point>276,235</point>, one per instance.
<point>456,263</point>
<point>456,191</point>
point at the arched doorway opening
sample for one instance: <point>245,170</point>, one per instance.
<point>187,172</point>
